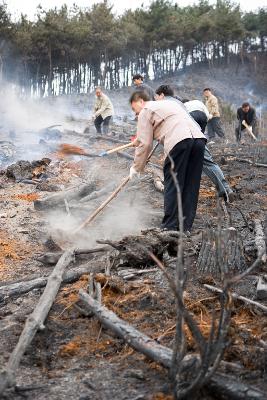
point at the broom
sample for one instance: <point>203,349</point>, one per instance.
<point>67,149</point>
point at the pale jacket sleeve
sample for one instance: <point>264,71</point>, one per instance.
<point>144,138</point>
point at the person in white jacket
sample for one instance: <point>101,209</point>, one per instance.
<point>199,112</point>
<point>103,111</point>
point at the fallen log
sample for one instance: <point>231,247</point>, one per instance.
<point>229,388</point>
<point>58,199</point>
<point>52,258</point>
<point>19,288</point>
<point>98,193</point>
<point>260,240</point>
<point>35,321</point>
<point>132,336</point>
<point>236,296</point>
<point>255,164</point>
<point>163,355</point>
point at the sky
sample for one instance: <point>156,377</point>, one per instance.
<point>16,7</point>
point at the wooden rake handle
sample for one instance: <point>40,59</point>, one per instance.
<point>124,146</point>
<point>103,205</point>
<point>249,130</point>
<point>114,194</point>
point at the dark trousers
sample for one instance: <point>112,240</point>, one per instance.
<point>215,127</point>
<point>98,123</point>
<point>188,157</point>
<point>201,118</point>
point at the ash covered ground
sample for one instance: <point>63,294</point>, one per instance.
<point>74,357</point>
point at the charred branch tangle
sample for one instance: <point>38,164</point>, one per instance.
<point>224,386</point>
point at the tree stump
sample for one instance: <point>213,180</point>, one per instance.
<point>221,253</point>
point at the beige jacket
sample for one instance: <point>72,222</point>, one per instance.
<point>166,121</point>
<point>103,107</point>
<point>213,106</point>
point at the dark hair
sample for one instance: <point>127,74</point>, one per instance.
<point>137,95</point>
<point>166,90</point>
<point>207,88</point>
<point>246,104</point>
<point>138,76</point>
<point>185,100</point>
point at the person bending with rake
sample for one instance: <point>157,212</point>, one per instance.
<point>184,146</point>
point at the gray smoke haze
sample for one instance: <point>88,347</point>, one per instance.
<point>22,120</point>
<point>128,213</point>
<point>125,215</point>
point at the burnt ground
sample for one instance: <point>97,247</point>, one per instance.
<point>74,357</point>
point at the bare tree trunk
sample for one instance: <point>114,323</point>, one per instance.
<point>50,76</point>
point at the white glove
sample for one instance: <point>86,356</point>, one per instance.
<point>133,173</point>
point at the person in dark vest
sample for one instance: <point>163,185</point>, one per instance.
<point>248,114</point>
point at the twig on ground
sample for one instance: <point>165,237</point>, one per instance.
<point>236,296</point>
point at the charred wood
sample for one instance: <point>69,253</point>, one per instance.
<point>236,296</point>
<point>52,258</point>
<point>221,252</point>
<point>260,240</point>
<point>134,250</point>
<point>58,199</point>
<point>35,321</point>
<point>254,164</point>
<point>230,388</point>
<point>140,342</point>
<point>19,288</point>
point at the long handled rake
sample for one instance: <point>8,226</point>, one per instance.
<point>114,194</point>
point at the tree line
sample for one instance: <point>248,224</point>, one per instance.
<point>70,50</point>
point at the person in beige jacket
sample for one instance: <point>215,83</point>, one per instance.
<point>214,123</point>
<point>103,111</point>
<point>184,144</point>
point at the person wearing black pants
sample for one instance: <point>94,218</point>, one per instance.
<point>183,141</point>
<point>187,156</point>
<point>103,111</point>
<point>98,123</point>
<point>200,114</point>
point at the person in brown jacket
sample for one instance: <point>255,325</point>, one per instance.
<point>184,143</point>
<point>214,123</point>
